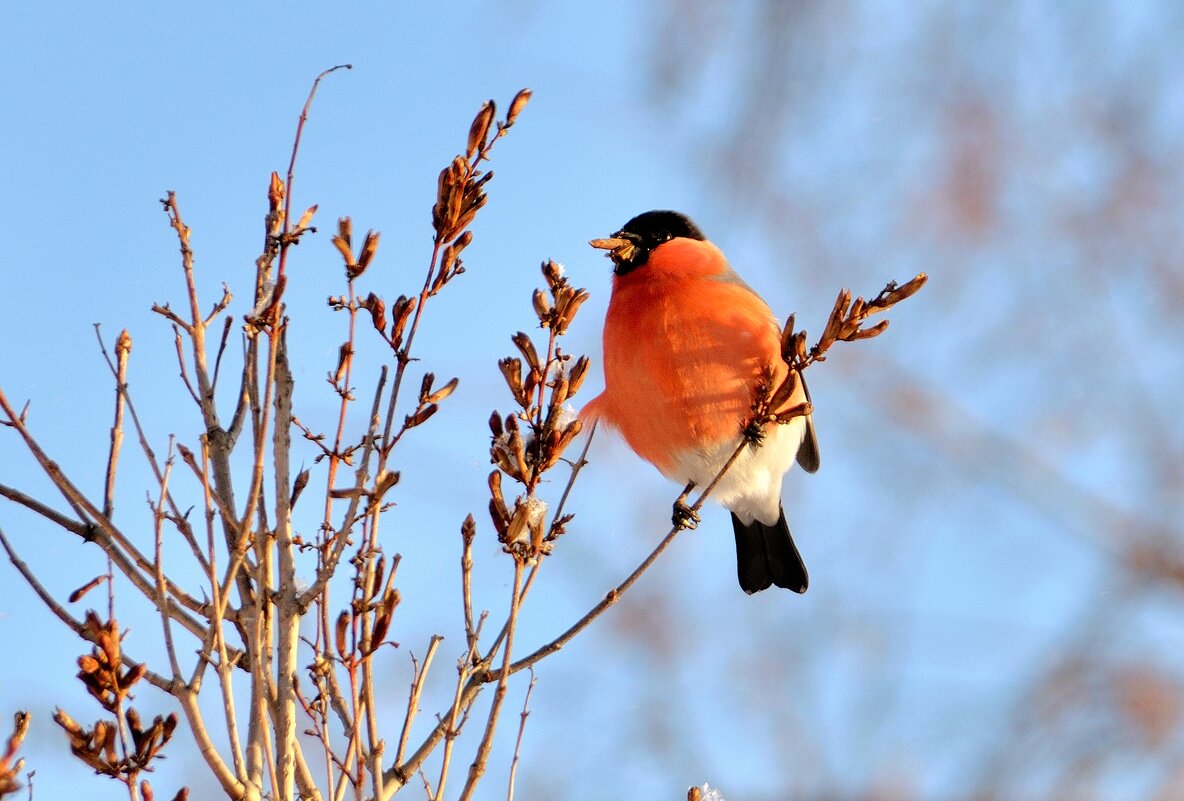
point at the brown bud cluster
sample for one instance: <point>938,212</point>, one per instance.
<point>10,766</point>
<point>101,671</point>
<point>460,190</point>
<point>96,746</point>
<point>400,314</point>
<point>375,595</point>
<point>533,439</point>
<point>557,311</point>
<point>343,241</point>
<point>845,323</point>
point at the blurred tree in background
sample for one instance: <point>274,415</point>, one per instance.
<point>1016,631</point>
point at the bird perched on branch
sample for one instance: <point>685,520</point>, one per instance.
<point>686,343</point>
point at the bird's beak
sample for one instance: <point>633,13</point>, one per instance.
<point>619,249</point>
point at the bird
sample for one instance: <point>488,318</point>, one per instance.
<point>686,342</point>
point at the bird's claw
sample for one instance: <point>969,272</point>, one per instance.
<point>684,516</point>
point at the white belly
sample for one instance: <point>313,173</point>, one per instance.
<point>752,486</point>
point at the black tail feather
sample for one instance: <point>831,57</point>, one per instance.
<point>766,555</point>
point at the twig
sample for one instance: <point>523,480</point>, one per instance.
<point>181,365</point>
<point>296,149</point>
<point>123,348</point>
<point>417,684</point>
<point>477,769</point>
<point>518,742</point>
<point>162,599</point>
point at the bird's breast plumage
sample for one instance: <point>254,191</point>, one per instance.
<point>685,343</point>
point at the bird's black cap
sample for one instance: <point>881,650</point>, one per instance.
<point>656,227</point>
<point>645,232</point>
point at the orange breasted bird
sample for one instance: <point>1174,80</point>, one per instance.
<point>686,342</point>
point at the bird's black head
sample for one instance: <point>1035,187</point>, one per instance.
<point>630,247</point>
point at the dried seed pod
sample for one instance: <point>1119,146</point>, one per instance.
<point>910,288</point>
<point>425,386</point>
<point>868,333</point>
<point>386,480</point>
<point>104,739</point>
<point>566,311</point>
<point>465,239</point>
<point>516,105</point>
<point>298,486</point>
<point>512,371</point>
<point>341,629</point>
<point>518,451</point>
<point>343,359</point>
<point>134,725</point>
<point>459,170</point>
<point>553,273</point>
<point>787,339</point>
<point>306,217</point>
<point>377,310</point>
<point>495,425</point>
<point>799,347</point>
<point>834,323</point>
<point>468,529</point>
<point>421,416</point>
<point>479,130</point>
<point>444,391</point>
<point>542,308</point>
<point>369,248</point>
<point>400,314</point>
<point>527,349</point>
<point>576,375</point>
<point>66,722</point>
<point>783,391</point>
<point>109,642</point>
<point>559,390</point>
<point>275,192</point>
<point>569,433</point>
<point>343,239</point>
<point>498,512</point>
<point>85,588</point>
<point>376,578</point>
<point>495,492</point>
<point>133,675</point>
<point>385,614</point>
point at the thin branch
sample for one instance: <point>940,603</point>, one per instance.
<point>162,599</point>
<point>123,348</point>
<point>416,692</point>
<point>518,742</point>
<point>477,769</point>
<point>615,594</point>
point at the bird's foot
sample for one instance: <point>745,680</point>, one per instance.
<point>684,516</point>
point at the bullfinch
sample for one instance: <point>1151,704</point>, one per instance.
<point>686,342</point>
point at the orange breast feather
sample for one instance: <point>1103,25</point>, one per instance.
<point>685,342</point>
